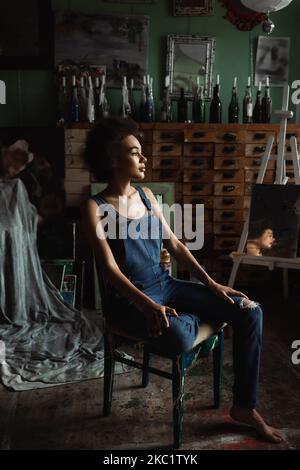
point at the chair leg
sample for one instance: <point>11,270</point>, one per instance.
<point>178,372</point>
<point>147,356</point>
<point>218,354</point>
<point>109,369</point>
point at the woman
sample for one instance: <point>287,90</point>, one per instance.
<point>145,299</point>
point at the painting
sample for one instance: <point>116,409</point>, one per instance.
<point>190,57</point>
<point>240,16</point>
<point>119,42</point>
<point>274,221</point>
<point>272,60</point>
<point>26,34</point>
<point>192,7</point>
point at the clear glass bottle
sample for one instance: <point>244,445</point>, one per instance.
<point>258,110</point>
<point>267,104</point>
<point>182,107</point>
<point>166,107</point>
<point>126,110</point>
<point>133,109</point>
<point>74,102</point>
<point>63,101</point>
<point>199,103</point>
<point>90,101</point>
<point>83,100</point>
<point>103,101</point>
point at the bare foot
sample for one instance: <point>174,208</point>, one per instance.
<point>254,419</point>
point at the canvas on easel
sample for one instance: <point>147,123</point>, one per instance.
<point>274,221</point>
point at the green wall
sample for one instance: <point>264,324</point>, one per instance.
<point>30,93</point>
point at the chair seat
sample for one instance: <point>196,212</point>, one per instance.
<point>205,331</point>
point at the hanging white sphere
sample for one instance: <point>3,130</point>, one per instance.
<point>266,6</point>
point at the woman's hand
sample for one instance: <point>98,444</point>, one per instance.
<point>225,291</point>
<point>156,317</point>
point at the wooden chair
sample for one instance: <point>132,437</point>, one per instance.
<point>210,337</point>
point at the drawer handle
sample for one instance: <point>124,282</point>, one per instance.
<point>228,202</point>
<point>197,161</point>
<point>197,175</point>
<point>197,187</point>
<point>228,162</point>
<point>166,148</point>
<point>228,243</point>
<point>228,149</point>
<point>259,149</point>
<point>259,136</point>
<point>227,215</point>
<point>166,174</point>
<point>289,148</point>
<point>227,175</point>
<point>228,188</point>
<point>289,162</point>
<point>197,201</point>
<point>198,148</point>
<point>256,162</point>
<point>199,134</point>
<point>227,227</point>
<point>167,135</point>
<point>166,162</point>
<point>230,137</point>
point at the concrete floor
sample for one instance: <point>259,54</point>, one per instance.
<point>69,416</point>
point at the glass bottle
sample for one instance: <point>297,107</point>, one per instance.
<point>257,111</point>
<point>234,109</point>
<point>90,101</point>
<point>63,101</point>
<point>199,103</point>
<point>182,107</point>
<point>103,102</point>
<point>248,104</point>
<point>74,102</point>
<point>133,109</point>
<point>166,107</point>
<point>126,110</point>
<point>267,103</point>
<point>216,104</point>
<point>83,100</point>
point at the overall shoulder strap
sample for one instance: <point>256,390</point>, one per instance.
<point>144,198</point>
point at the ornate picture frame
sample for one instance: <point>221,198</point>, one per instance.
<point>189,56</point>
<point>192,7</point>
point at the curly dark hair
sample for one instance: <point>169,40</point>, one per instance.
<point>103,143</point>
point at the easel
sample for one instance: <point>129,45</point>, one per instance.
<point>239,257</point>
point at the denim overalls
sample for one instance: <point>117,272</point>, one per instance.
<point>193,302</point>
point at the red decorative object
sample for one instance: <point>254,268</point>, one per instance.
<point>242,17</point>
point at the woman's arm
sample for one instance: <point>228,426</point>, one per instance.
<point>113,274</point>
<point>183,255</point>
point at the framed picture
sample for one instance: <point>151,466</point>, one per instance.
<point>274,221</point>
<point>192,7</point>
<point>272,60</point>
<point>26,34</point>
<point>189,57</point>
<point>119,42</point>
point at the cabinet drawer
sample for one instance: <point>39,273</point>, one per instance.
<point>256,150</point>
<point>74,161</point>
<point>251,176</point>
<point>147,150</point>
<point>77,175</point>
<point>208,216</point>
<point>206,200</point>
<point>231,150</point>
<point>76,135</point>
<point>229,163</point>
<point>197,163</point>
<point>201,149</point>
<point>258,136</point>
<point>228,215</point>
<point>197,188</point>
<point>229,203</point>
<point>252,163</point>
<point>205,176</point>
<point>146,136</point>
<point>226,243</point>
<point>170,163</point>
<point>166,175</point>
<point>229,228</point>
<point>229,135</point>
<point>199,135</point>
<point>74,148</point>
<point>167,136</point>
<point>235,176</point>
<point>234,189</point>
<point>170,149</point>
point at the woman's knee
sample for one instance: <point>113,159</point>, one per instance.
<point>251,312</point>
<point>180,336</point>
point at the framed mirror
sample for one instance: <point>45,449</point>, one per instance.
<point>189,57</point>
<point>242,17</point>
